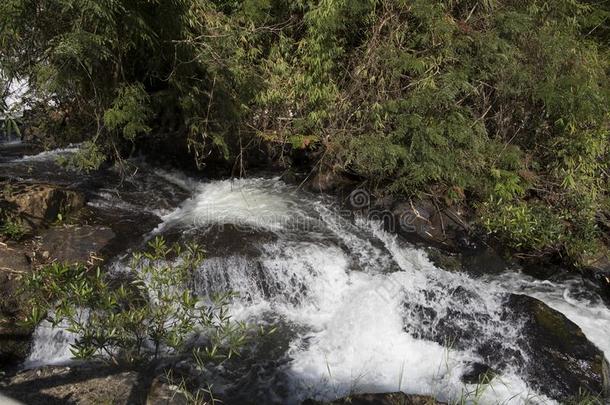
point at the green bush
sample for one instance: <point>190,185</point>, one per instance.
<point>89,157</point>
<point>524,226</point>
<point>11,226</point>
<point>150,317</point>
<point>471,101</point>
<point>12,229</point>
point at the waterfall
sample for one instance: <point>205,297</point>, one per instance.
<point>50,345</point>
<point>366,312</point>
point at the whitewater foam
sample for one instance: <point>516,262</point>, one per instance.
<point>50,345</point>
<point>49,154</point>
<point>251,203</point>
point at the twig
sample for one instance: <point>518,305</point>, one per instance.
<point>12,270</point>
<point>440,215</point>
<point>470,14</point>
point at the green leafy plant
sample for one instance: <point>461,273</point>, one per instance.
<point>129,112</point>
<point>11,226</point>
<point>524,226</point>
<point>88,158</point>
<point>585,398</point>
<point>149,318</point>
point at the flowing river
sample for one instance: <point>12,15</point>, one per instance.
<point>357,309</point>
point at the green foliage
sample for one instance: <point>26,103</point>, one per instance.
<point>524,225</point>
<point>585,398</point>
<point>480,100</point>
<point>153,315</point>
<point>129,112</point>
<point>9,123</point>
<point>11,227</point>
<point>89,157</point>
<point>10,126</point>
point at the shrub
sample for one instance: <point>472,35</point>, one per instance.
<point>11,226</point>
<point>89,157</point>
<point>467,100</point>
<point>151,317</point>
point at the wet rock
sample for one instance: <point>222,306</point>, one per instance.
<point>478,373</point>
<point>556,357</point>
<point>393,398</point>
<point>541,270</point>
<point>602,278</point>
<point>218,239</point>
<point>42,203</point>
<point>444,227</point>
<point>12,151</point>
<point>484,261</point>
<point>72,244</point>
<point>328,181</point>
<point>291,176</point>
<point>14,343</point>
<point>13,259</point>
<point>562,362</point>
<point>14,339</point>
<point>445,260</point>
<point>413,219</point>
<point>597,269</point>
<point>457,326</point>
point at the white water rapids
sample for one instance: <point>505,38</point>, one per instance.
<point>354,296</point>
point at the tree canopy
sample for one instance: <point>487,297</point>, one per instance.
<point>499,104</point>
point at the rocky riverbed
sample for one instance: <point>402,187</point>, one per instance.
<point>359,309</point>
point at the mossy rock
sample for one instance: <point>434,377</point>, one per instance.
<point>562,361</point>
<point>445,261</point>
<point>40,204</point>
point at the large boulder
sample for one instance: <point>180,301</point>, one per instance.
<point>328,182</point>
<point>392,398</point>
<point>422,219</point>
<point>552,353</point>
<point>74,244</point>
<point>562,362</point>
<point>42,203</point>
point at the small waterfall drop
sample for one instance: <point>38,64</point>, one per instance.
<point>50,345</point>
